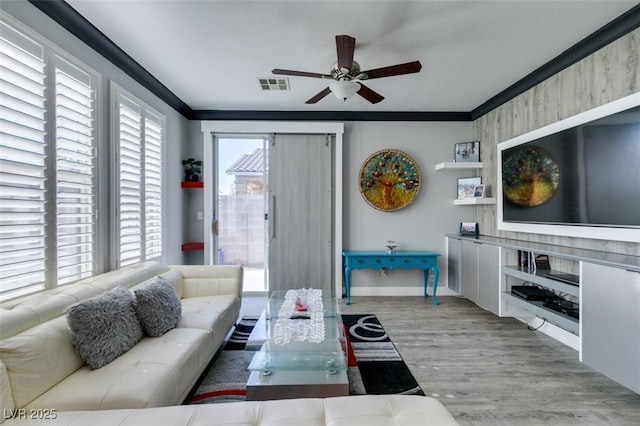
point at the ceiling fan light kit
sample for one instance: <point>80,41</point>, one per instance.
<point>344,89</point>
<point>347,75</point>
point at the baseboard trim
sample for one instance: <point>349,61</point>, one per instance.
<point>399,291</point>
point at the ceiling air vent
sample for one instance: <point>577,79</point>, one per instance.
<point>274,83</point>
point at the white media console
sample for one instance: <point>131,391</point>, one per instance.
<point>607,332</point>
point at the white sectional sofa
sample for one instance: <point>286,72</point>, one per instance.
<point>366,410</point>
<point>42,370</point>
<point>44,381</point>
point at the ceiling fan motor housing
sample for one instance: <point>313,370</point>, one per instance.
<point>344,73</point>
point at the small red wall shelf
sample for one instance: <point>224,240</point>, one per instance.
<point>192,184</point>
<point>192,246</point>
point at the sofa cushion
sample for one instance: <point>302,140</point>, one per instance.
<point>366,410</point>
<point>127,276</point>
<point>391,410</point>
<point>174,276</point>
<point>211,280</point>
<point>25,312</point>
<point>156,372</point>
<point>104,327</point>
<point>39,358</point>
<point>157,306</point>
<point>40,308</point>
<point>211,313</point>
<point>6,399</point>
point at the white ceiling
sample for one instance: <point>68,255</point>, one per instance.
<point>211,53</point>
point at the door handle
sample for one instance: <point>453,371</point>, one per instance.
<point>215,228</point>
<point>272,217</point>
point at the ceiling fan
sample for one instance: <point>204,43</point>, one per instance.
<point>347,75</point>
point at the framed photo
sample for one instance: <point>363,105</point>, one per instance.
<point>469,229</point>
<point>467,187</point>
<point>478,192</point>
<point>467,151</point>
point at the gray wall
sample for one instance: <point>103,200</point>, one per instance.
<point>423,224</point>
<point>176,124</point>
<point>193,201</point>
<point>420,226</point>
<point>611,73</point>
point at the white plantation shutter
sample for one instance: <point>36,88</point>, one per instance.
<point>75,157</point>
<point>47,166</point>
<point>140,147</point>
<point>49,226</point>
<point>130,174</point>
<point>153,186</point>
<point>22,164</point>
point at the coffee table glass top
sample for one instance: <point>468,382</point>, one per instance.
<point>280,343</point>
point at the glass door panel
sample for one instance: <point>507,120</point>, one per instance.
<point>240,210</point>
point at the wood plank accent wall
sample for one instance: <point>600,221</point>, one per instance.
<point>611,73</point>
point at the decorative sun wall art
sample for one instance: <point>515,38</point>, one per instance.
<point>530,176</point>
<point>389,180</point>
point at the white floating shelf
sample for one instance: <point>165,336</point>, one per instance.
<point>474,201</point>
<point>459,165</point>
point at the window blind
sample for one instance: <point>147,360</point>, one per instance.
<point>23,236</point>
<point>47,166</point>
<point>75,157</point>
<point>130,181</point>
<point>153,186</point>
<point>139,199</point>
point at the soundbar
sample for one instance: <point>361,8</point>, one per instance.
<point>563,277</point>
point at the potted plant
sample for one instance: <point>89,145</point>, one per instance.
<point>192,169</point>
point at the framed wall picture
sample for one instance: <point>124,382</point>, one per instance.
<point>389,180</point>
<point>467,152</point>
<point>469,229</point>
<point>467,187</point>
<point>478,191</point>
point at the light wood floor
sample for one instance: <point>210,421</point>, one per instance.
<point>489,370</point>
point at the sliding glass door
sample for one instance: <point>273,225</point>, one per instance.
<point>239,225</point>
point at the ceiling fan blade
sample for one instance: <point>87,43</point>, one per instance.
<point>370,95</point>
<point>300,73</point>
<point>345,46</point>
<point>319,96</point>
<point>400,69</point>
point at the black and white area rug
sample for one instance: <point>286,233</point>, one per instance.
<point>375,366</point>
<point>380,366</point>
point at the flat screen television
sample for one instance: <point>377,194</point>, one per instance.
<point>578,177</point>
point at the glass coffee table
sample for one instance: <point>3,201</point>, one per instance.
<point>297,354</point>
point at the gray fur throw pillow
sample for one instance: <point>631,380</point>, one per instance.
<point>158,308</point>
<point>104,327</point>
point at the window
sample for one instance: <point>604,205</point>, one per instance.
<point>47,167</point>
<point>140,139</point>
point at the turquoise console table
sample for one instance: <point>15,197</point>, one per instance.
<point>425,260</point>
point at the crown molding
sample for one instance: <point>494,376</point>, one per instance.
<point>65,15</point>
<point>329,115</point>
